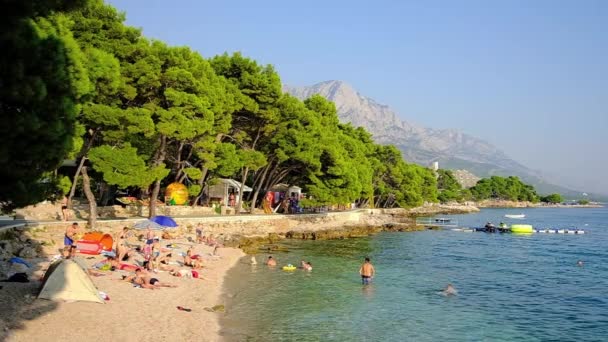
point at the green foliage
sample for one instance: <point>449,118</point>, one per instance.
<point>193,173</point>
<point>583,202</point>
<point>448,186</point>
<point>509,188</point>
<point>124,167</point>
<point>552,198</point>
<point>64,185</point>
<point>43,79</point>
<point>132,106</point>
<point>194,189</point>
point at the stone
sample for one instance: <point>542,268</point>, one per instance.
<point>216,308</point>
<point>28,252</point>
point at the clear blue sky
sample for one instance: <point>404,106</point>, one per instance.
<point>529,76</point>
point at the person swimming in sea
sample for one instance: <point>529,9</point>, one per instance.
<point>449,290</point>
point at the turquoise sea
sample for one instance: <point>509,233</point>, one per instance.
<point>511,287</point>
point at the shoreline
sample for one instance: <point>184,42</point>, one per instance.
<point>131,313</point>
<point>28,319</point>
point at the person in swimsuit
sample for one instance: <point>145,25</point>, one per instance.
<point>200,237</point>
<point>146,282</point>
<point>68,238</point>
<point>122,247</point>
<point>64,209</point>
<point>190,261</point>
<point>449,290</point>
<point>271,261</point>
<point>149,237</point>
<point>305,265</point>
<point>367,272</point>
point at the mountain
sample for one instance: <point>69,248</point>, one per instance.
<point>453,149</point>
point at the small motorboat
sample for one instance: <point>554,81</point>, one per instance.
<point>442,220</point>
<point>515,216</point>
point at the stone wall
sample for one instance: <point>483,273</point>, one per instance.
<point>47,211</point>
<point>260,225</point>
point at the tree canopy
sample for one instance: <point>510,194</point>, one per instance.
<point>144,114</point>
<point>552,198</point>
<point>43,78</point>
<point>509,188</point>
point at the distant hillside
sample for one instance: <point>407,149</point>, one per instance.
<point>465,178</point>
<point>451,148</point>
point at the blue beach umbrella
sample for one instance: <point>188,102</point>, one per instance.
<point>148,224</point>
<point>164,221</point>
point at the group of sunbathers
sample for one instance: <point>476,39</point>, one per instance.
<point>155,258</point>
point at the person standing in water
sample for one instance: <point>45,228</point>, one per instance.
<point>367,272</point>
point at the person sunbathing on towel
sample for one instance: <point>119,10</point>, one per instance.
<point>186,274</point>
<point>147,282</point>
<point>191,260</point>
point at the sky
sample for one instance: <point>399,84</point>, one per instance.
<point>531,77</point>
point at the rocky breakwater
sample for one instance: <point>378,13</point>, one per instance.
<point>370,222</point>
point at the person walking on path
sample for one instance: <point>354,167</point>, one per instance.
<point>367,272</point>
<point>64,208</point>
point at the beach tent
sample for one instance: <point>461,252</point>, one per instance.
<point>66,280</point>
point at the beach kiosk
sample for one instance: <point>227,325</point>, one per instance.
<point>223,187</point>
<point>294,191</point>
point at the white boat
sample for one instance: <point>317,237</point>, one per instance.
<point>515,216</point>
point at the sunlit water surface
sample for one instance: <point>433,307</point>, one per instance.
<point>510,287</point>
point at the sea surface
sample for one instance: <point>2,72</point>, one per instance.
<point>510,287</point>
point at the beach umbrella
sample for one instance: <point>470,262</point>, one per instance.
<point>164,221</point>
<point>148,224</point>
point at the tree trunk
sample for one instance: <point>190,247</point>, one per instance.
<point>75,181</point>
<point>178,163</point>
<point>156,189</point>
<point>79,168</point>
<point>201,182</point>
<point>257,190</point>
<point>239,205</point>
<point>86,186</point>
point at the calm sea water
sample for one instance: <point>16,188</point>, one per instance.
<point>511,287</point>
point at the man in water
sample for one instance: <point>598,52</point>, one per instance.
<point>367,272</point>
<point>271,261</point>
<point>449,290</point>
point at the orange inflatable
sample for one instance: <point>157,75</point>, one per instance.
<point>95,242</point>
<point>177,193</point>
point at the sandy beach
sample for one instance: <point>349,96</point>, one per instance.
<point>131,314</point>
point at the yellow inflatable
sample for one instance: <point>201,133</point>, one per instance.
<point>522,229</point>
<point>177,194</point>
<point>289,267</point>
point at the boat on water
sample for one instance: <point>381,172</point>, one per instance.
<point>515,216</point>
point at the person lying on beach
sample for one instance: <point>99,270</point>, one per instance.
<point>192,260</point>
<point>211,241</point>
<point>109,264</point>
<point>145,281</point>
<point>186,274</point>
<point>271,261</point>
<point>164,262</point>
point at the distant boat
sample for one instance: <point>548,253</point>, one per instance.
<point>515,216</point>
<point>442,220</point>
